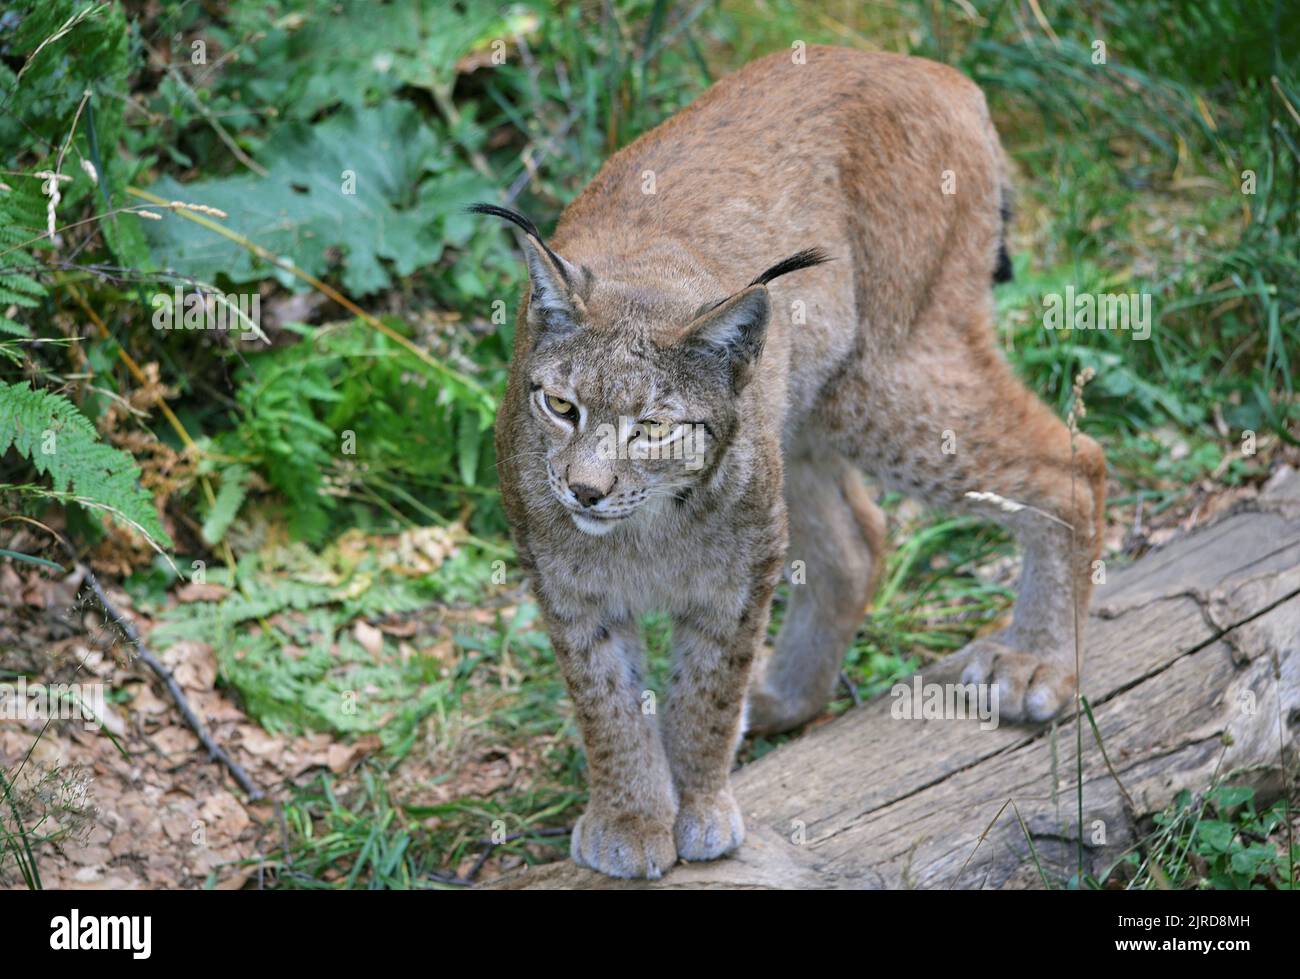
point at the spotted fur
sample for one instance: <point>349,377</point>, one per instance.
<point>795,383</point>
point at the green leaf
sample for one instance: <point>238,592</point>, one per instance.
<point>1253,859</point>
<point>1215,835</point>
<point>371,53</point>
<point>468,444</point>
<point>5,552</point>
<point>1228,796</point>
<point>347,187</point>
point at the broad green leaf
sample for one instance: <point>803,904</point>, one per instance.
<point>348,191</point>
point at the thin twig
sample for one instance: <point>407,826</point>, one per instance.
<point>489,846</point>
<point>446,879</point>
<point>549,145</point>
<point>1134,813</point>
<point>982,837</point>
<point>216,125</point>
<point>215,751</point>
<point>851,687</point>
<point>1079,410</point>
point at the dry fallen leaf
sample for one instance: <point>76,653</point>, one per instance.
<point>223,817</point>
<point>198,669</point>
<point>197,591</point>
<point>370,638</point>
<point>341,756</point>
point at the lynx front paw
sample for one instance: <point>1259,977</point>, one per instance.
<point>1030,688</point>
<point>623,844</point>
<point>708,826</point>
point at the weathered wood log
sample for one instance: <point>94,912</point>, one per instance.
<point>1193,672</point>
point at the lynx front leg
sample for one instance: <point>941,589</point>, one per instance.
<point>714,653</point>
<point>627,830</point>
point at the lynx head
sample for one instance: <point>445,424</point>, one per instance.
<point>633,392</point>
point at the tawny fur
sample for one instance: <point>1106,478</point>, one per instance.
<point>872,362</point>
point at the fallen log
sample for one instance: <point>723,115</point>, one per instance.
<point>1192,670</point>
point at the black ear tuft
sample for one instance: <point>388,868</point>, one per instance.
<point>799,260</point>
<point>1003,272</point>
<point>530,229</point>
<point>514,217</point>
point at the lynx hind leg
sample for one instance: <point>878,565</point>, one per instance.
<point>1034,662</point>
<point>960,422</point>
<point>838,533</point>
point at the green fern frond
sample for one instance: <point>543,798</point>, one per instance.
<point>22,283</point>
<point>22,216</point>
<point>60,441</point>
<point>23,207</point>
<point>229,499</point>
<point>17,298</point>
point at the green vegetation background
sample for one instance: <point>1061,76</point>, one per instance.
<point>1170,168</point>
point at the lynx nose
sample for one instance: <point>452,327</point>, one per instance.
<point>587,495</point>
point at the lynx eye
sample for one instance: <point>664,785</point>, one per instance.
<point>652,429</point>
<point>565,409</point>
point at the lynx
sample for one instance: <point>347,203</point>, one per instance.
<point>873,190</point>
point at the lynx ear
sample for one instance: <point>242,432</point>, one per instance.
<point>554,307</point>
<point>732,332</point>
<point>554,304</point>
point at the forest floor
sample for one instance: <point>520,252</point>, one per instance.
<point>147,808</point>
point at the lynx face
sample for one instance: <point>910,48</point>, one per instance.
<point>632,392</point>
<point>624,426</point>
